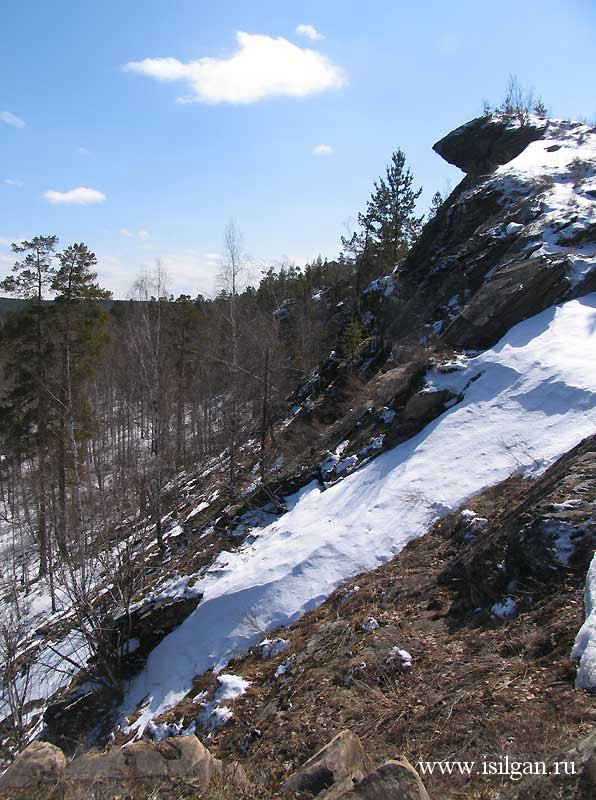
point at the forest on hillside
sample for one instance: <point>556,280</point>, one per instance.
<point>103,404</point>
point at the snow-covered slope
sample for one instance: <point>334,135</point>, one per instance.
<point>525,402</point>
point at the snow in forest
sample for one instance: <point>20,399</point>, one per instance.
<point>532,399</point>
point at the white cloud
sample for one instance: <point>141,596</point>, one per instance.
<point>82,196</point>
<point>82,151</point>
<point>11,119</point>
<point>261,67</point>
<point>141,234</point>
<point>310,32</point>
<point>13,182</point>
<point>322,150</point>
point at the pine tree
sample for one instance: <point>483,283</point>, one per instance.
<point>435,205</point>
<point>27,406</point>
<point>389,227</point>
<point>390,214</point>
<point>350,340</point>
<point>76,316</point>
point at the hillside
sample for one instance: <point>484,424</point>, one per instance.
<point>409,563</point>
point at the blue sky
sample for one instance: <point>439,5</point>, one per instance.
<point>164,177</point>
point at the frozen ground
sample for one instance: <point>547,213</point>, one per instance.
<point>526,401</point>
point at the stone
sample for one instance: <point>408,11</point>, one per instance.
<point>175,757</point>
<point>422,407</point>
<point>484,143</point>
<point>39,764</point>
<point>235,775</point>
<point>394,780</point>
<point>333,770</point>
<point>515,293</point>
<point>148,763</point>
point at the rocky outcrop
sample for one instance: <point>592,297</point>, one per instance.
<point>342,770</point>
<point>40,764</point>
<point>333,770</point>
<point>515,237</point>
<point>395,780</point>
<point>484,143</point>
<point>540,541</point>
<point>518,291</point>
<point>142,764</point>
<point>425,406</point>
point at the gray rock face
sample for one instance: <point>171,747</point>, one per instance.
<point>515,293</point>
<point>333,770</point>
<point>142,763</point>
<point>425,406</point>
<point>395,780</point>
<point>486,142</point>
<point>515,237</point>
<point>40,764</point>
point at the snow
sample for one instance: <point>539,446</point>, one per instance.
<point>385,284</point>
<point>230,687</point>
<point>402,656</point>
<point>376,443</point>
<point>334,463</point>
<point>584,649</point>
<point>271,648</point>
<point>507,608</point>
<point>175,588</point>
<point>197,509</point>
<point>474,524</point>
<point>387,415</point>
<point>562,167</point>
<point>532,401</point>
<point>370,625</point>
<point>566,504</point>
<point>53,669</point>
<point>562,535</point>
<point>285,666</point>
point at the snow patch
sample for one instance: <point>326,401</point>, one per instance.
<point>584,648</point>
<point>271,648</point>
<point>505,609</point>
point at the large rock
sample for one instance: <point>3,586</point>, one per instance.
<point>395,780</point>
<point>142,763</point>
<point>513,294</point>
<point>423,407</point>
<point>41,764</point>
<point>484,143</point>
<point>333,770</point>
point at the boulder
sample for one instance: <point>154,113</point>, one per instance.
<point>484,143</point>
<point>395,780</point>
<point>235,775</point>
<point>514,293</point>
<point>40,764</point>
<point>333,770</point>
<point>423,407</point>
<point>145,763</point>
